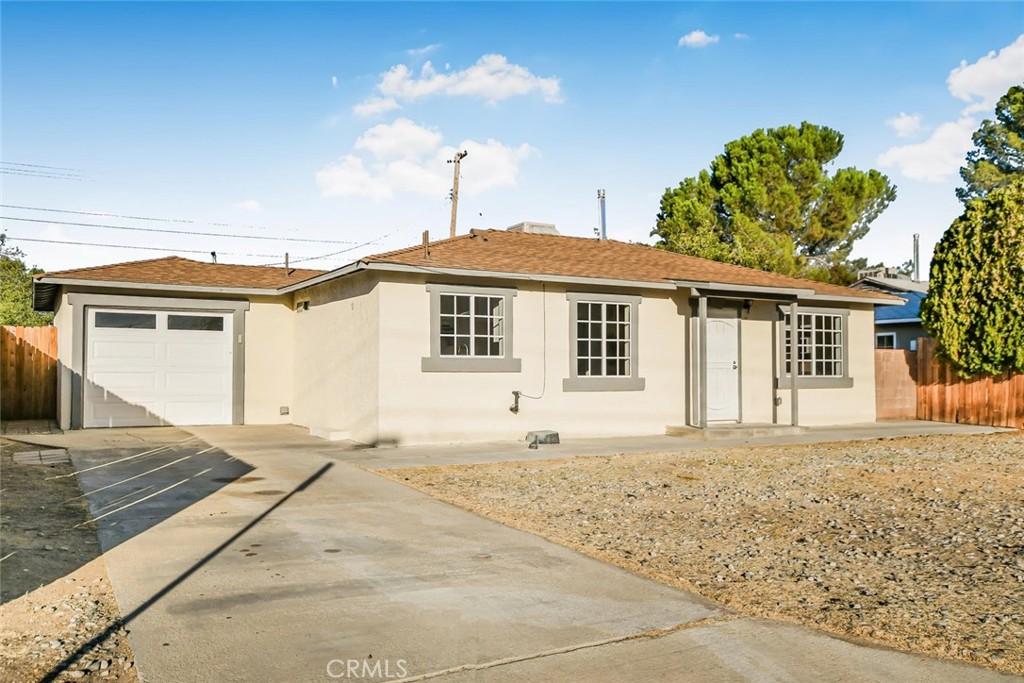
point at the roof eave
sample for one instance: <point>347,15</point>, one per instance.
<point>899,321</point>
<point>801,293</point>
<point>123,284</point>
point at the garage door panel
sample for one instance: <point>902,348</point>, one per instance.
<point>140,376</point>
<point>208,355</point>
<point>124,351</point>
<point>116,382</point>
<point>197,384</point>
<point>196,412</point>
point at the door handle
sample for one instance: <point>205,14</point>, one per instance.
<point>734,366</point>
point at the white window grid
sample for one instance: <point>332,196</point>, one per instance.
<point>819,345</point>
<point>472,325</point>
<point>602,339</point>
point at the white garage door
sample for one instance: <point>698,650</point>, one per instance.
<point>148,367</point>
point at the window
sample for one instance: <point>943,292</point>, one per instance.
<point>470,329</point>
<point>819,345</point>
<point>885,340</point>
<point>472,325</point>
<point>603,337</point>
<point>821,349</point>
<point>139,321</point>
<point>206,323</point>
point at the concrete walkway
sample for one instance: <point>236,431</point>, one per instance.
<point>461,454</point>
<point>352,566</point>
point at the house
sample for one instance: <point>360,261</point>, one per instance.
<point>896,327</point>
<point>482,336</point>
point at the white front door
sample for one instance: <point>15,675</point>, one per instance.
<point>723,346</point>
<point>146,367</point>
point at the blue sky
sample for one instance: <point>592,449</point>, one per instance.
<point>280,116</point>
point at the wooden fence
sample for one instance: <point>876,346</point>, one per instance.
<point>945,397</point>
<point>938,394</point>
<point>28,373</point>
<point>895,384</point>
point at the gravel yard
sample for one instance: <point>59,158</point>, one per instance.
<point>41,628</point>
<point>914,543</point>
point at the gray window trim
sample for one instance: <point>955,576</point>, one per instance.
<point>632,383</point>
<point>785,381</point>
<point>437,363</point>
<point>79,301</point>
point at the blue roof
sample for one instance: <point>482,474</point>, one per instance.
<point>911,309</point>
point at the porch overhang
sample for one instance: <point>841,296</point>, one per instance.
<point>702,292</point>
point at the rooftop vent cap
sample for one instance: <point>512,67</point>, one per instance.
<point>530,226</point>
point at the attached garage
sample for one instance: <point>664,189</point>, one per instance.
<point>172,341</point>
<point>152,367</point>
<point>142,361</point>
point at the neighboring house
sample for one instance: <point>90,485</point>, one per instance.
<point>482,336</point>
<point>896,327</point>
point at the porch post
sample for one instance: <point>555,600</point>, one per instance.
<point>702,358</point>
<point>794,372</point>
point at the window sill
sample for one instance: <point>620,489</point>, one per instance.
<point>603,384</point>
<point>816,383</point>
<point>471,364</point>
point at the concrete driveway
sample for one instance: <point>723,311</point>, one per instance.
<point>309,568</point>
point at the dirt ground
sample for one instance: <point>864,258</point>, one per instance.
<point>913,543</point>
<point>56,595</point>
<point>40,507</point>
<point>39,630</point>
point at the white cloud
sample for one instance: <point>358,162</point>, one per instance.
<point>399,139</point>
<point>696,39</point>
<point>423,51</point>
<point>492,78</point>
<point>334,81</point>
<point>936,159</point>
<point>905,125</point>
<point>982,83</point>
<point>372,106</point>
<point>250,205</point>
<point>741,36</point>
<point>405,157</point>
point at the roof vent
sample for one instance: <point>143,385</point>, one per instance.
<point>530,226</point>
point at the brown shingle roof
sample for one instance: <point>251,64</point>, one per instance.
<point>543,254</point>
<point>174,270</point>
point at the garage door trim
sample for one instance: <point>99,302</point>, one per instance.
<point>81,301</point>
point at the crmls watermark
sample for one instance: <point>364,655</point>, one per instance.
<point>367,669</point>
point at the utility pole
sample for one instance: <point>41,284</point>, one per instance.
<point>457,161</point>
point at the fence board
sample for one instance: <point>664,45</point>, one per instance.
<point>28,373</point>
<point>942,396</point>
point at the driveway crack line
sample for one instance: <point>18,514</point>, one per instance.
<point>643,635</point>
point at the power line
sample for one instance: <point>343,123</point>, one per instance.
<point>127,246</point>
<point>177,232</point>
<point>101,214</point>
<point>55,168</point>
<point>333,253</point>
<point>38,174</point>
<point>105,215</point>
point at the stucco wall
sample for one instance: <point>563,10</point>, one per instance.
<point>424,407</point>
<point>269,359</point>
<point>758,366</point>
<point>337,358</point>
<point>62,321</point>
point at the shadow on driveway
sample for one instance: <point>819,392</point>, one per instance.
<point>129,490</point>
<point>56,518</point>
